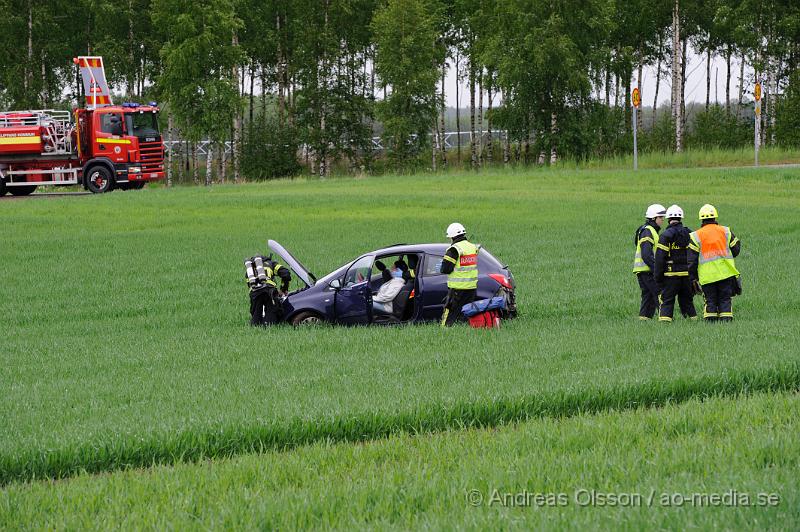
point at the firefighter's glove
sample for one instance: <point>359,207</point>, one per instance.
<point>696,287</point>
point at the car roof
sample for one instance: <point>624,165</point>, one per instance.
<point>409,248</point>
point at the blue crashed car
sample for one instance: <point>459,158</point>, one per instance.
<point>344,296</point>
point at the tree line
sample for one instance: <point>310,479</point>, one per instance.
<point>306,84</point>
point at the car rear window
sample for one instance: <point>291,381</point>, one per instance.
<point>490,259</point>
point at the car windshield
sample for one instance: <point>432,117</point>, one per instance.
<point>142,124</point>
<point>335,274</point>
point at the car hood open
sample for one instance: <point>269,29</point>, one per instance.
<point>295,265</point>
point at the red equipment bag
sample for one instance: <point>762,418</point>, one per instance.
<point>485,320</point>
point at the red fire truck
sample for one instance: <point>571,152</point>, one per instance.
<point>100,146</point>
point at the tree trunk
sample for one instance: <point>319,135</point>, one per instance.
<point>322,148</point>
<point>506,148</point>
<point>195,165</point>
<point>627,103</point>
<point>769,118</point>
<point>442,132</point>
<point>237,121</point>
<point>458,108</point>
<point>676,76</point>
<point>220,161</point>
<point>263,77</point>
<point>658,77</point>
<point>170,125</point>
<point>741,87</point>
<point>728,79</point>
<point>130,76</point>
<point>186,158</point>
<point>553,132</point>
<point>281,76</point>
<point>708,78</point>
<point>209,162</point>
<point>435,143</point>
<point>480,118</point>
<point>45,95</point>
<point>473,147</point>
<point>28,79</point>
<point>608,88</point>
<point>223,156</point>
<point>683,87</point>
<point>252,95</point>
<point>640,113</point>
<point>489,153</point>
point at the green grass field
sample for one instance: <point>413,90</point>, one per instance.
<point>663,466</point>
<point>126,342</point>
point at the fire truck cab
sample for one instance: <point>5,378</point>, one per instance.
<point>120,146</point>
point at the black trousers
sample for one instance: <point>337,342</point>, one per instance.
<point>452,306</point>
<point>265,306</point>
<point>719,300</point>
<point>680,288</point>
<point>650,293</point>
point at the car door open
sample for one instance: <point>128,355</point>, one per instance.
<point>354,298</point>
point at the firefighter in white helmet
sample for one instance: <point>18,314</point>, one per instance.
<point>672,268</point>
<point>644,259</point>
<point>460,263</point>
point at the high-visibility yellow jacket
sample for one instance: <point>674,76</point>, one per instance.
<point>713,245</point>
<point>465,268</point>
<point>647,234</point>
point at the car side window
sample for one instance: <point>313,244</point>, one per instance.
<point>359,271</point>
<point>433,265</point>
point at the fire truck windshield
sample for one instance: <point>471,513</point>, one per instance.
<point>142,124</point>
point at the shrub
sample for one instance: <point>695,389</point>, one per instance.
<point>269,149</point>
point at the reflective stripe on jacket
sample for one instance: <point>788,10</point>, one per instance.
<point>638,262</point>
<point>712,243</point>
<point>465,271</point>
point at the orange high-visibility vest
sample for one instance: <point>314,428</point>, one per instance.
<point>713,244</point>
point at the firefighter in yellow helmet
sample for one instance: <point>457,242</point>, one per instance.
<point>712,249</point>
<point>460,263</point>
<point>645,241</point>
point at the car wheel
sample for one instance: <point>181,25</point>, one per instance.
<point>307,318</point>
<point>22,191</point>
<point>99,180</point>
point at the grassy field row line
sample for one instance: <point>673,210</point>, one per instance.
<point>225,442</point>
<point>743,448</point>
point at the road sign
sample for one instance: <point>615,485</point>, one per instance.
<point>636,98</point>
<point>757,92</point>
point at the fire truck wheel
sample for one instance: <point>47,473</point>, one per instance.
<point>2,187</point>
<point>138,185</point>
<point>22,191</point>
<point>99,180</point>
